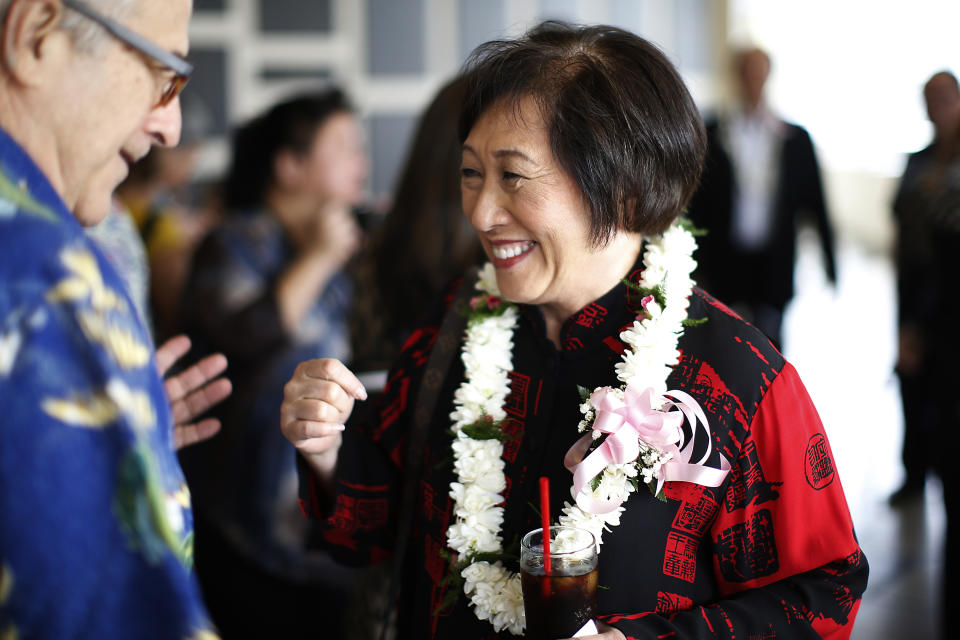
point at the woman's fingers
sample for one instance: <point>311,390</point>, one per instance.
<point>314,410</point>
<point>317,401</point>
<point>313,438</point>
<point>322,429</point>
<point>306,430</point>
<point>331,394</point>
<point>334,371</point>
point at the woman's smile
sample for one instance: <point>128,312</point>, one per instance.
<point>509,253</point>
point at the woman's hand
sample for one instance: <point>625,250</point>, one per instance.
<point>327,243</point>
<point>336,234</point>
<point>317,401</point>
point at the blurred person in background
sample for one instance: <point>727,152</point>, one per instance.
<point>928,216</point>
<point>119,239</point>
<point>156,195</point>
<point>267,288</point>
<point>919,281</point>
<point>422,243</point>
<point>761,181</point>
<point>95,524</point>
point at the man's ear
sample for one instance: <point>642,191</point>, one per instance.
<point>31,37</point>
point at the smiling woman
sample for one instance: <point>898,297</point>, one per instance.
<point>588,349</point>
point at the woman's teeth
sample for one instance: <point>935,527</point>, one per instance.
<point>511,251</point>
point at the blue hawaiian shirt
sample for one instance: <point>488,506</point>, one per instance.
<point>96,531</point>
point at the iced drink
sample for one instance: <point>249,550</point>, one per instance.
<point>559,604</point>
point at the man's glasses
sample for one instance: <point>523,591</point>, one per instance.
<point>181,68</point>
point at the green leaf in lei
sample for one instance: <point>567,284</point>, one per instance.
<point>636,293</point>
<point>584,393</point>
<point>687,225</point>
<point>694,322</point>
<point>486,428</point>
<point>481,307</point>
<point>454,580</point>
<point>652,485</point>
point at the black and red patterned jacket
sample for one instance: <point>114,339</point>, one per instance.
<point>769,554</point>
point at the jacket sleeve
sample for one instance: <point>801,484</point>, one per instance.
<point>360,520</point>
<point>813,200</point>
<point>785,558</point>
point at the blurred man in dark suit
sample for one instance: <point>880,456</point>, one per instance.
<point>918,292</point>
<point>761,180</point>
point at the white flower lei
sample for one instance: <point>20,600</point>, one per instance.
<point>494,590</point>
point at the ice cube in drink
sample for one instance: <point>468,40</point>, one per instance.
<point>559,604</point>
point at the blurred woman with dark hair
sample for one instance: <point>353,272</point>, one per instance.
<point>423,242</point>
<point>267,289</point>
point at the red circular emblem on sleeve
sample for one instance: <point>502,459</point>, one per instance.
<point>817,462</point>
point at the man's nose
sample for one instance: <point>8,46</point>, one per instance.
<point>164,123</point>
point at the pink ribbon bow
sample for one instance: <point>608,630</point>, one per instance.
<point>633,420</point>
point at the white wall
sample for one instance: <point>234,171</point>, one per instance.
<point>690,31</point>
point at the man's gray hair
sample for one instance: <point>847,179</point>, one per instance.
<point>86,33</point>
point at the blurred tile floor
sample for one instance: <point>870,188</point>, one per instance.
<point>843,344</point>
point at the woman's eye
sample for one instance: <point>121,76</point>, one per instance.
<point>467,172</point>
<point>510,176</point>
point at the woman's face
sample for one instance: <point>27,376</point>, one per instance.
<point>531,218</point>
<point>336,167</point>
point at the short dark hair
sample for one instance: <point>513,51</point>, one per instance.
<point>620,120</point>
<point>290,125</point>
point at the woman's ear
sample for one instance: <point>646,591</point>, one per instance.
<point>32,39</point>
<point>287,169</point>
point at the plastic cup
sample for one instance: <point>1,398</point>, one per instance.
<point>559,604</point>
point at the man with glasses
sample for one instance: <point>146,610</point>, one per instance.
<point>95,522</point>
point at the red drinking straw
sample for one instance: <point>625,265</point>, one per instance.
<point>545,520</point>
